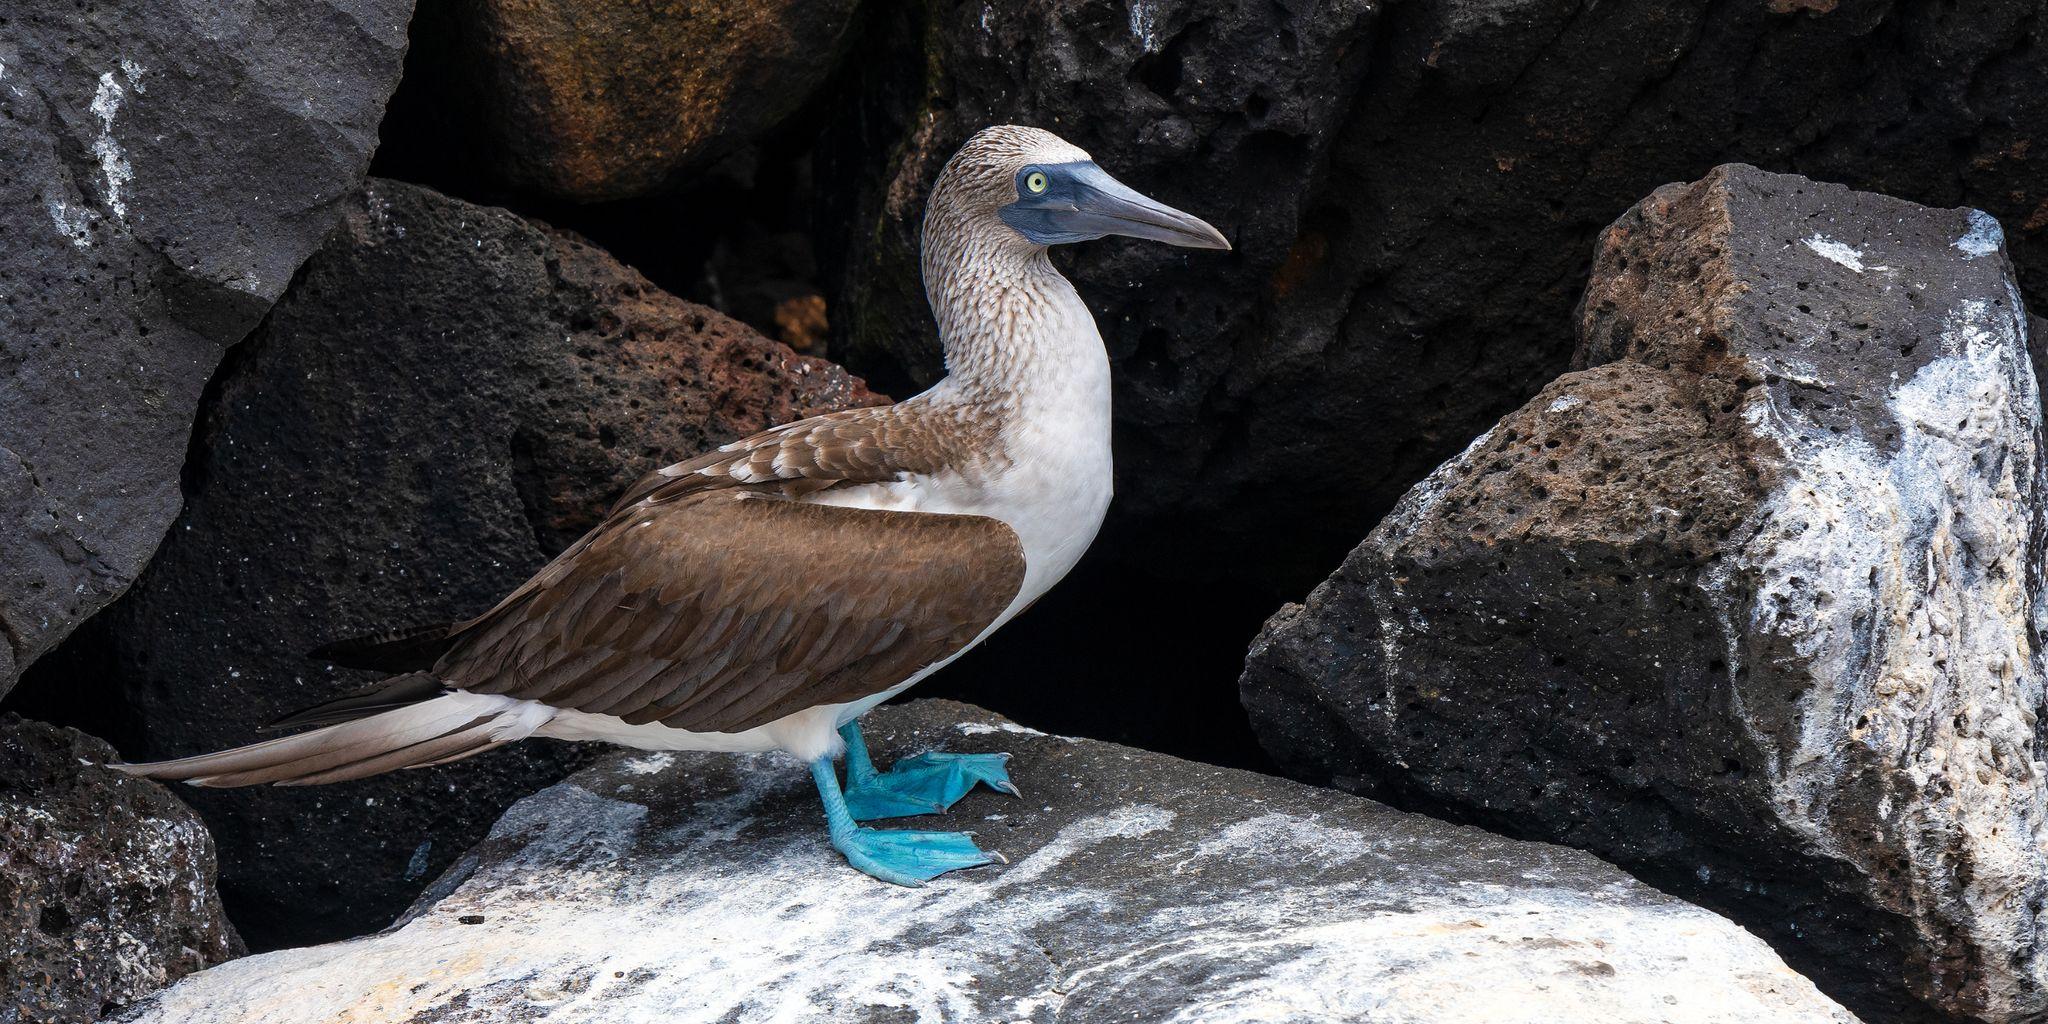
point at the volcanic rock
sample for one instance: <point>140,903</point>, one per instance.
<point>168,166</point>
<point>1752,604</point>
<point>596,101</point>
<point>106,882</point>
<point>1139,887</point>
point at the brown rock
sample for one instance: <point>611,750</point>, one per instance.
<point>605,100</point>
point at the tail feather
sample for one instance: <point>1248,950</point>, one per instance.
<point>456,745</point>
<point>446,728</point>
<point>383,695</point>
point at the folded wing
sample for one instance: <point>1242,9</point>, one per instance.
<point>725,609</point>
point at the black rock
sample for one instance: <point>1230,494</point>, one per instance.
<point>167,168</point>
<point>106,882</point>
<point>1138,888</point>
<point>447,396</point>
<point>1750,605</point>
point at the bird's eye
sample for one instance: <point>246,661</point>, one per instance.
<point>1035,181</point>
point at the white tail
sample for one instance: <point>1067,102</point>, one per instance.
<point>446,728</point>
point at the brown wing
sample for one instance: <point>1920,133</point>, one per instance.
<point>723,610</point>
<point>856,446</point>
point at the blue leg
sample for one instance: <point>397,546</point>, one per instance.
<point>925,784</point>
<point>904,858</point>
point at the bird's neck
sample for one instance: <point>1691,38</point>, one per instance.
<point>1016,333</point>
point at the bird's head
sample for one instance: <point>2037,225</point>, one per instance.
<point>1012,186</point>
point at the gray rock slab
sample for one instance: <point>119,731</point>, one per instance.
<point>168,165</point>
<point>1138,887</point>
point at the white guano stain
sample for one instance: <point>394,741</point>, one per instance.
<point>598,917</point>
<point>74,223</point>
<point>115,172</point>
<point>1904,577</point>
<point>1984,237</point>
<point>985,729</point>
<point>1829,249</point>
<point>774,945</point>
<point>1145,25</point>
<point>647,765</point>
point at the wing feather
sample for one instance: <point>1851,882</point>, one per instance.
<point>722,610</point>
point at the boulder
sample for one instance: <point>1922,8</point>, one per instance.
<point>106,882</point>
<point>1751,604</point>
<point>448,396</point>
<point>1138,887</point>
<point>168,167</point>
<point>1412,194</point>
<point>599,101</point>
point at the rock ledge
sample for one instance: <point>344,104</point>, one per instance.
<point>699,887</point>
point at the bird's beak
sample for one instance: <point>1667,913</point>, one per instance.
<point>1084,202</point>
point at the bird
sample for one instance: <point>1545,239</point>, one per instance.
<point>766,594</point>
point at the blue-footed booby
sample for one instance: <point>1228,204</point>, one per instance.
<point>763,596</point>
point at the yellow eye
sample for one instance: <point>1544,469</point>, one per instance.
<point>1035,181</point>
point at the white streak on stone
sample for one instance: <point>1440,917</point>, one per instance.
<point>984,729</point>
<point>114,169</point>
<point>1829,249</point>
<point>74,224</point>
<point>648,765</point>
<point>1145,25</point>
<point>1984,238</point>
<point>1904,573</point>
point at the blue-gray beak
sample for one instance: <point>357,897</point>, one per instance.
<point>1076,202</point>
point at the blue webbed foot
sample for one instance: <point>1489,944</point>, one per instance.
<point>908,857</point>
<point>905,858</point>
<point>925,784</point>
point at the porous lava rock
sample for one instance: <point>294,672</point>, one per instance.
<point>1139,887</point>
<point>167,167</point>
<point>448,395</point>
<point>590,101</point>
<point>1751,604</point>
<point>106,882</point>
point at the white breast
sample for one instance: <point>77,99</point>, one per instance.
<point>1053,483</point>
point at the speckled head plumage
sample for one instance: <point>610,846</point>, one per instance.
<point>1009,193</point>
<point>1045,191</point>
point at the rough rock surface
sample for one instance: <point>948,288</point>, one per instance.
<point>168,166</point>
<point>610,100</point>
<point>1752,604</point>
<point>1412,196</point>
<point>106,882</point>
<point>701,887</point>
<point>448,395</point>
